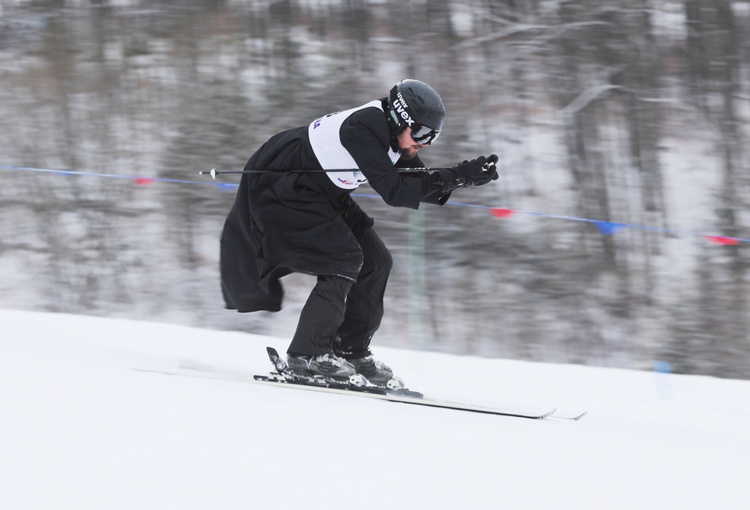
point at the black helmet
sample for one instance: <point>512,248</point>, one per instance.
<point>413,103</point>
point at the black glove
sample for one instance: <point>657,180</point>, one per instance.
<point>476,172</point>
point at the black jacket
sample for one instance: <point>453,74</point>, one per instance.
<point>284,222</point>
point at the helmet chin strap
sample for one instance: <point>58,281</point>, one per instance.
<point>391,117</point>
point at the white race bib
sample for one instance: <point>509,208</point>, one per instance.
<point>325,139</point>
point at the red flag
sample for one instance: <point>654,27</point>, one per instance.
<point>499,212</point>
<point>727,241</point>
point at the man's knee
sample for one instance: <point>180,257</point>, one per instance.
<point>386,263</point>
<point>378,258</point>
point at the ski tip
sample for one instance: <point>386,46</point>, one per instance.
<point>571,418</point>
<point>547,414</point>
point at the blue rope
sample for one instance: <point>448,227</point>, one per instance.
<point>604,227</point>
<point>143,180</point>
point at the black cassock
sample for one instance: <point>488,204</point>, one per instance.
<point>284,221</point>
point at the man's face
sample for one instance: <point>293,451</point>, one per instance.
<point>407,147</point>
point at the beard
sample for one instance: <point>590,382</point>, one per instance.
<point>408,153</point>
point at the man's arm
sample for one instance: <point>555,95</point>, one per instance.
<point>366,136</point>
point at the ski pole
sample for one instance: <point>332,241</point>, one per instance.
<point>214,172</point>
<point>489,165</point>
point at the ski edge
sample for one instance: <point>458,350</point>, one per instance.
<point>390,396</point>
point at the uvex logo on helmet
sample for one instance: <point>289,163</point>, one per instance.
<point>400,106</point>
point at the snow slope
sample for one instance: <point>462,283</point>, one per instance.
<point>80,429</point>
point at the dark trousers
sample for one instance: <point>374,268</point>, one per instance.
<point>339,308</point>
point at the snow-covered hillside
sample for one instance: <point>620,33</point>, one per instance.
<point>79,428</point>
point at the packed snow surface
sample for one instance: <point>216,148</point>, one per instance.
<point>81,427</point>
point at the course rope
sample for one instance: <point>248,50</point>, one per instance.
<point>606,228</point>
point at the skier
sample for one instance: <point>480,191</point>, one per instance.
<point>286,220</point>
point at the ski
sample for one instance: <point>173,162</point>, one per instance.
<point>277,379</point>
<point>285,377</point>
